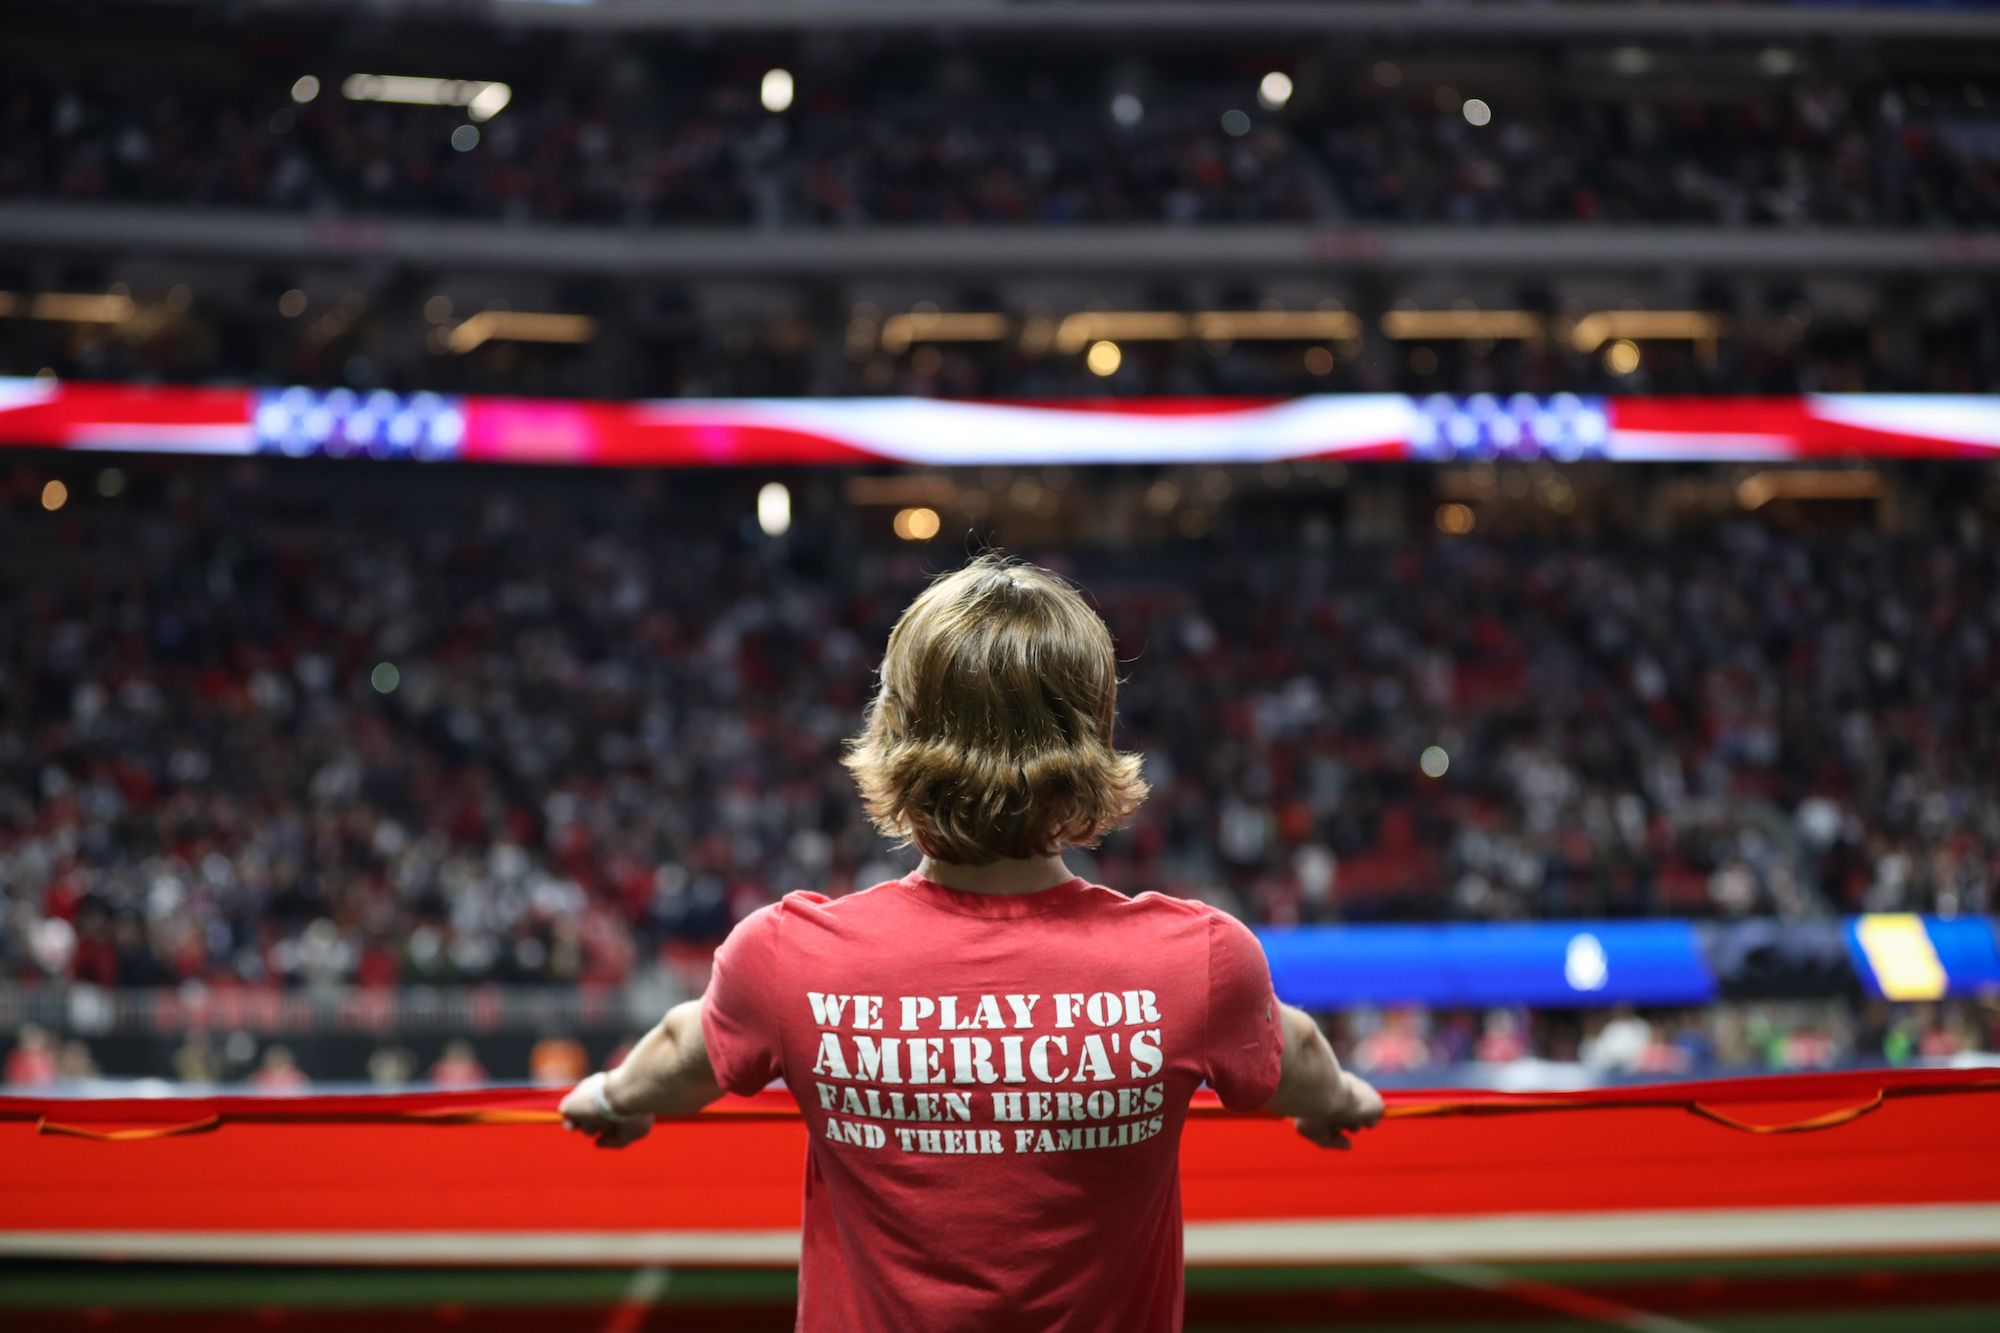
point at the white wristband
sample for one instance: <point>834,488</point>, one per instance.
<point>602,1102</point>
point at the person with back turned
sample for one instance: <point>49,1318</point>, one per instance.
<point>993,1057</point>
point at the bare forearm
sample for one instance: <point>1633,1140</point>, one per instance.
<point>668,1071</point>
<point>1313,1083</point>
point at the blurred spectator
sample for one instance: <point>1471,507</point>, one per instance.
<point>1942,1037</point>
<point>557,1062</point>
<point>195,1060</point>
<point>1501,1042</point>
<point>391,1066</point>
<point>1803,1048</point>
<point>74,1061</point>
<point>1396,1046</point>
<point>1695,1046</point>
<point>1791,1041</point>
<point>279,1072</point>
<point>458,1067</point>
<point>32,1062</point>
<point>1662,1054</point>
<point>1622,1041</point>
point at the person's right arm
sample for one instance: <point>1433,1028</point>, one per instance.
<point>724,1042</point>
<point>1259,1053</point>
<point>1323,1100</point>
<point>667,1073</point>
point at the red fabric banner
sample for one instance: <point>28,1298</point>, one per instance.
<point>490,1163</point>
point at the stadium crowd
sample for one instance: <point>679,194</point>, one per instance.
<point>1813,155</point>
<point>874,146</point>
<point>1406,1043</point>
<point>701,154</point>
<point>288,732</point>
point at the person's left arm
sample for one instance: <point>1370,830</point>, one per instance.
<point>667,1073</point>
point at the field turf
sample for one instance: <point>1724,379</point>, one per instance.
<point>1946,1293</point>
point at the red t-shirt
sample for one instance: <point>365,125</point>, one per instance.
<point>995,1088</point>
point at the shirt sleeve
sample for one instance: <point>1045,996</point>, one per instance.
<point>739,1013</point>
<point>1243,1044</point>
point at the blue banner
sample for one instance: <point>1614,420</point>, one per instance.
<point>1573,964</point>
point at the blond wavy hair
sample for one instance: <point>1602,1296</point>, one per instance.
<point>990,735</point>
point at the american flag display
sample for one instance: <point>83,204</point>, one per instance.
<point>343,423</point>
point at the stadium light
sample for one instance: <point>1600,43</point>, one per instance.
<point>1760,488</point>
<point>1127,109</point>
<point>1079,330</point>
<point>774,508</point>
<point>777,90</point>
<point>1476,112</point>
<point>900,491</point>
<point>1452,325</point>
<point>305,88</point>
<point>934,326</point>
<point>482,99</point>
<point>521,326</point>
<point>1455,519</point>
<point>1603,326</point>
<point>1104,358</point>
<point>489,101</point>
<point>54,496</point>
<point>1276,325</point>
<point>1622,357</point>
<point>1274,90</point>
<point>919,524</point>
<point>82,307</point>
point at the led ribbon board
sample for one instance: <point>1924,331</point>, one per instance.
<point>1552,965</point>
<point>1899,956</point>
<point>764,432</point>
